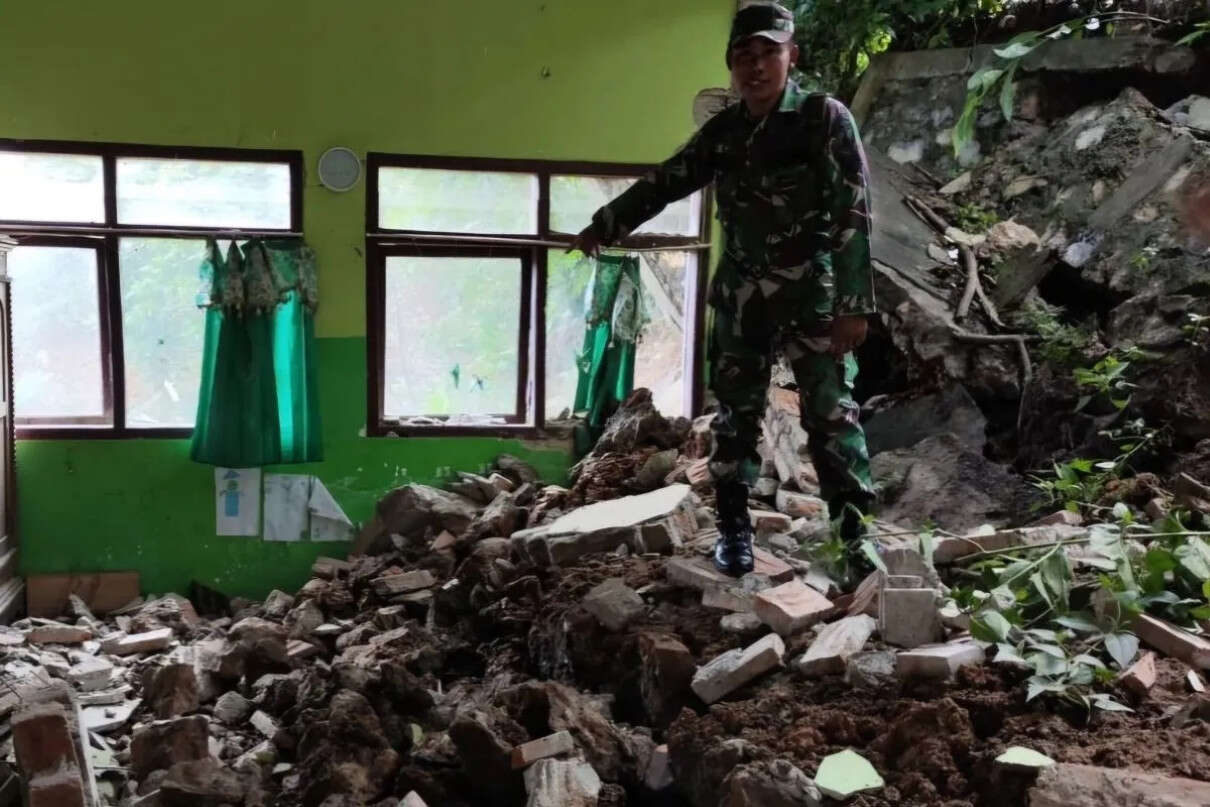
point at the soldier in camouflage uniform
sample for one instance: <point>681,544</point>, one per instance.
<point>794,276</point>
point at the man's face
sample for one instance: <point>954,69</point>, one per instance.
<point>759,68</point>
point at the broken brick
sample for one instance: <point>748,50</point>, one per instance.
<point>1173,641</point>
<point>138,642</point>
<point>800,505</point>
<point>42,738</point>
<point>58,788</point>
<point>58,634</point>
<point>162,744</point>
<point>614,604</point>
<point>908,617</point>
<point>666,670</point>
<point>733,669</point>
<point>549,746</point>
<point>770,521</point>
<point>1140,677</point>
<point>771,566</point>
<point>791,607</point>
<point>392,585</point>
<point>831,649</point>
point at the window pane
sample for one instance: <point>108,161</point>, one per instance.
<point>452,326</point>
<point>203,193</point>
<point>574,199</point>
<point>567,279</point>
<point>162,329</point>
<point>51,187</point>
<point>56,333</point>
<point>436,200</point>
<point>660,357</point>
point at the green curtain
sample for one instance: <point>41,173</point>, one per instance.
<point>614,318</point>
<point>259,398</point>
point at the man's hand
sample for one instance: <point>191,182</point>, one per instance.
<point>587,243</point>
<point>848,332</point>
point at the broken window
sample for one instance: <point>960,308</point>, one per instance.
<point>476,312</point>
<point>107,332</point>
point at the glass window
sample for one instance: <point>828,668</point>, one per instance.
<point>203,193</point>
<point>436,200</point>
<point>162,329</point>
<point>451,341</point>
<point>51,187</point>
<point>573,200</point>
<point>57,371</point>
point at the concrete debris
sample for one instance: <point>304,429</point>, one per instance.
<point>908,617</point>
<point>551,745</point>
<point>842,776</point>
<point>870,670</point>
<point>1023,759</point>
<point>1140,677</point>
<point>733,669</point>
<point>1173,641</point>
<point>740,623</point>
<point>138,643</point>
<point>555,783</point>
<point>658,775</point>
<point>938,661</point>
<point>771,784</point>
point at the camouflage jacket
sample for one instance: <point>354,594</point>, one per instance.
<point>793,200</point>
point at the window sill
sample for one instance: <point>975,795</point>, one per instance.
<point>99,433</point>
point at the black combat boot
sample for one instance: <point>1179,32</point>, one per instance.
<point>733,551</point>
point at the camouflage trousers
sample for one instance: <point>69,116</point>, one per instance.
<point>742,349</point>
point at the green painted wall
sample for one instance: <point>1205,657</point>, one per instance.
<point>559,79</point>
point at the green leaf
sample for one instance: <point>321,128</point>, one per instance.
<point>1121,510</point>
<point>1043,634</point>
<point>1159,560</point>
<point>982,80</point>
<point>1122,648</point>
<point>1091,661</point>
<point>1046,664</point>
<point>1003,598</point>
<point>990,626</point>
<point>1051,650</point>
<point>1007,654</point>
<point>1081,465</point>
<point>1206,589</point>
<point>1201,612</point>
<point>1078,622</point>
<point>964,129</point>
<point>1040,585</point>
<point>1083,401</point>
<point>871,554</point>
<point>1008,91</point>
<point>1015,50</point>
<point>1081,675</point>
<point>1057,575</point>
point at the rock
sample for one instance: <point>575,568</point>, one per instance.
<point>173,690</point>
<point>638,423</point>
<point>941,481</point>
<point>830,651</point>
<point>765,487</point>
<point>733,669</point>
<point>412,799</point>
<point>1140,678</point>
<point>658,775</point>
<point>138,643</point>
<point>345,754</point>
<point>162,744</point>
<point>666,671</point>
<point>740,623</point>
<point>277,604</point>
<point>253,629</point>
<point>1023,759</point>
<point>58,634</point>
<point>1172,641</point>
<point>908,617</point>
<point>791,607</point>
<point>302,621</point>
<point>655,469</point>
<point>602,526</point>
<point>552,745</point>
<point>410,510</point>
<point>395,584</point>
<point>201,783</point>
<point>485,740</point>
<point>328,569</point>
<point>556,783</point>
<point>232,709</point>
<point>870,670</point>
<point>264,723</point>
<point>614,604</point>
<point>1067,785</point>
<point>500,520</point>
<point>770,784</point>
<point>951,411</point>
<point>843,775</point>
<point>938,661</point>
<point>91,673</point>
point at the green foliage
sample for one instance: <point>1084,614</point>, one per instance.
<point>1108,377</point>
<point>1197,330</point>
<point>1061,344</point>
<point>975,219</point>
<point>1080,482</point>
<point>1199,31</point>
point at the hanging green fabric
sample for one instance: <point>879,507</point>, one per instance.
<point>259,399</point>
<point>614,318</point>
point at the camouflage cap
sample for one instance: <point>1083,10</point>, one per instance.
<point>765,19</point>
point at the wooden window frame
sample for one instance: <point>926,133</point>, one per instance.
<point>382,242</point>
<point>105,237</point>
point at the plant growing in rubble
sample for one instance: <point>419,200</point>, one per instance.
<point>1079,483</point>
<point>1061,344</point>
<point>975,219</point>
<point>1197,330</point>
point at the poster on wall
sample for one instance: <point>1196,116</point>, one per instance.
<point>300,508</point>
<point>237,501</point>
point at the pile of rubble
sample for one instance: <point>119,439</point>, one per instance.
<point>498,644</point>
